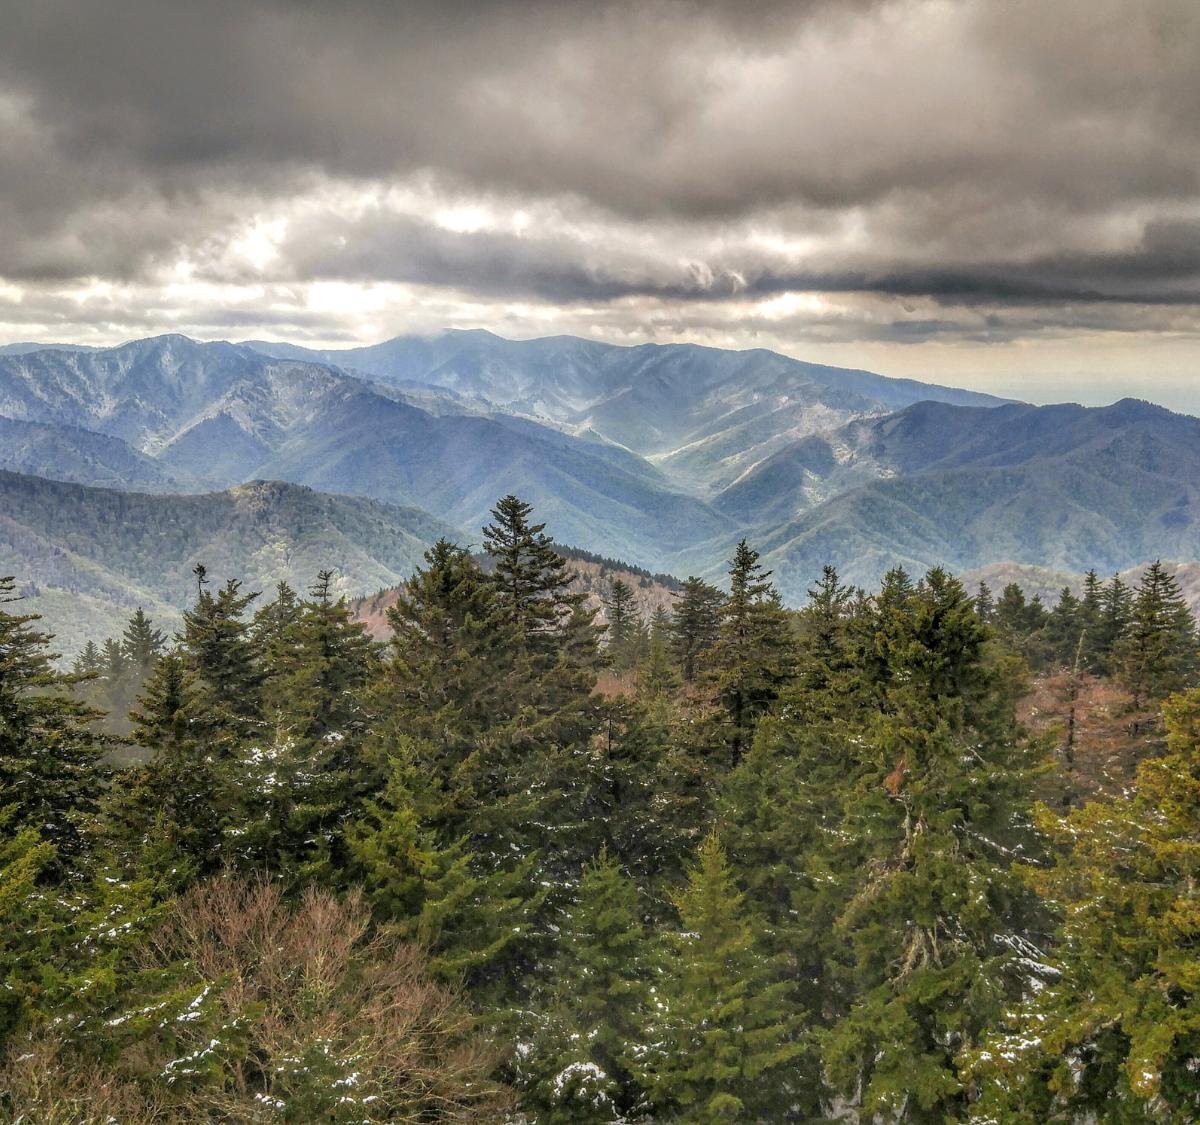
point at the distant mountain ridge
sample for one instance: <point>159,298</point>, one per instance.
<point>1063,487</point>
<point>661,455</point>
<point>702,414</point>
<point>218,414</point>
<point>89,556</point>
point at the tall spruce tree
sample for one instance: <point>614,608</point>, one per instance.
<point>583,1056</point>
<point>313,773</point>
<point>934,918</point>
<point>1159,652</point>
<point>1113,1031</point>
<point>533,584</point>
<point>695,623</point>
<point>623,621</point>
<point>1116,608</point>
<point>725,1041</point>
<point>219,651</point>
<point>753,655</point>
<point>51,773</point>
<point>658,677</point>
<point>141,642</point>
<point>169,813</point>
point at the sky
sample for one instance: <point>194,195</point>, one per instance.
<point>1001,194</point>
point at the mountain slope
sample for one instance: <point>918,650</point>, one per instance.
<point>223,413</point>
<point>1061,487</point>
<point>119,550</point>
<point>81,456</point>
<point>704,414</point>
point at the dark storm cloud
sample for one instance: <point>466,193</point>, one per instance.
<point>1005,152</point>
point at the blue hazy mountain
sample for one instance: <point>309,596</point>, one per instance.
<point>1064,487</point>
<point>704,415</point>
<point>663,456</point>
<point>86,557</point>
<point>224,413</point>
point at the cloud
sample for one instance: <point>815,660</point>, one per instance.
<point>982,170</point>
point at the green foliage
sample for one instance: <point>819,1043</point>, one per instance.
<point>1112,1031</point>
<point>1158,652</point>
<point>752,656</point>
<point>695,622</point>
<point>50,770</point>
<point>725,1038</point>
<point>582,1054</point>
<point>783,867</point>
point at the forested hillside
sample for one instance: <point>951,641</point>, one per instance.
<point>880,858</point>
<point>88,556</point>
<point>661,456</point>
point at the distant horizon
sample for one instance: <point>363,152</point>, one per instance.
<point>1185,401</point>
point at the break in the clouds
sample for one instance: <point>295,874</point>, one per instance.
<point>998,191</point>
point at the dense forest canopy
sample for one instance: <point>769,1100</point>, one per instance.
<point>919,853</point>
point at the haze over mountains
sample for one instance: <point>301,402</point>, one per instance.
<point>663,456</point>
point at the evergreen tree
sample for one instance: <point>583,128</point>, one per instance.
<point>752,657</point>
<point>695,623</point>
<point>218,650</point>
<point>411,853</point>
<point>623,622</point>
<point>931,813</point>
<point>313,772</point>
<point>531,579</point>
<point>456,722</point>
<point>50,755</point>
<point>1065,628</point>
<point>583,1061</point>
<point>272,634</point>
<point>825,660</point>
<point>1159,652</point>
<point>87,664</point>
<point>170,813</point>
<point>1090,606</point>
<point>1021,624</point>
<point>985,603</point>
<point>1113,1031</point>
<point>725,1041</point>
<point>141,643</point>
<point>1116,608</point>
<point>658,678</point>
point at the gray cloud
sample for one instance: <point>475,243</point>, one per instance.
<point>1018,167</point>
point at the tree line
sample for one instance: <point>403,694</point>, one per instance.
<point>798,870</point>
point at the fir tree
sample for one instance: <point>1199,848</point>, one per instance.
<point>695,623</point>
<point>1116,608</point>
<point>658,678</point>
<point>1159,652</point>
<point>623,621</point>
<point>931,814</point>
<point>1065,627</point>
<point>1113,1031</point>
<point>141,643</point>
<point>1089,621</point>
<point>725,1039</point>
<point>313,772</point>
<point>87,664</point>
<point>272,634</point>
<point>584,1058</point>
<point>531,578</point>
<point>420,872</point>
<point>50,755</point>
<point>752,657</point>
<point>169,814</point>
<point>985,603</point>
<point>219,652</point>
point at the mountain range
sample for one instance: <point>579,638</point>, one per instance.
<point>660,455</point>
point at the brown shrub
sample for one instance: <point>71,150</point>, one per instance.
<point>310,1015</point>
